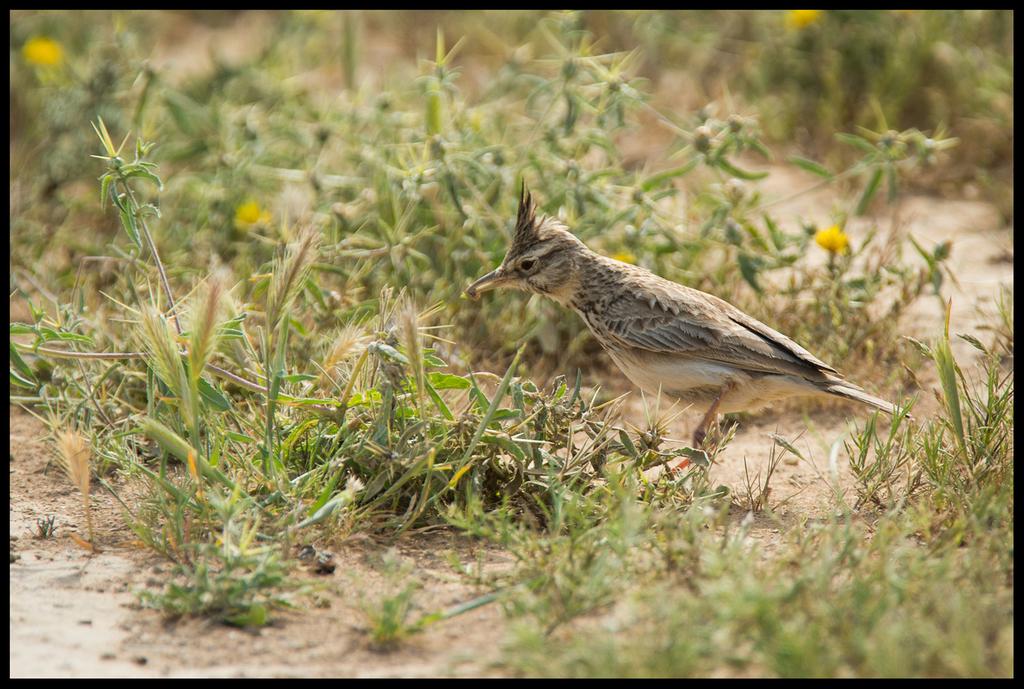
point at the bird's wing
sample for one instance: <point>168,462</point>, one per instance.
<point>661,316</point>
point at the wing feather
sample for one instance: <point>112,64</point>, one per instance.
<point>706,327</point>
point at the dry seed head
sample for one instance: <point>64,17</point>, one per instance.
<point>74,455</point>
<point>386,309</point>
<point>409,326</point>
<point>204,335</point>
<point>349,342</point>
<point>159,340</point>
<point>289,272</point>
<point>409,331</point>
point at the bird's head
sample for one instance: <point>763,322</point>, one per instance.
<point>543,258</point>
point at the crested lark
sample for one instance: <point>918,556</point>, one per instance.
<point>665,337</point>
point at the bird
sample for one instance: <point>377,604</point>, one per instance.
<point>667,338</point>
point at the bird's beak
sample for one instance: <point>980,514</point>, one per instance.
<point>493,279</point>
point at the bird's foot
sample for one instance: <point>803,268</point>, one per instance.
<point>678,468</point>
<point>699,436</point>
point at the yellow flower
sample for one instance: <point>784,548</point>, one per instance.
<point>625,257</point>
<point>799,19</point>
<point>250,213</point>
<point>833,240</point>
<point>45,52</point>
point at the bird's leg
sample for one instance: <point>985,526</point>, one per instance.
<point>710,417</point>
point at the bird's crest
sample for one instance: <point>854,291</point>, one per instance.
<point>526,222</point>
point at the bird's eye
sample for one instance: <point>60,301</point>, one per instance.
<point>527,264</point>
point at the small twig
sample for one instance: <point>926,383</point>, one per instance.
<point>242,382</point>
<point>28,277</point>
<point>65,354</point>
<point>117,497</point>
<point>156,258</point>
<point>92,394</point>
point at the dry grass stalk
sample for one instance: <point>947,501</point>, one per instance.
<point>288,274</point>
<point>204,335</point>
<point>349,342</point>
<point>409,331</point>
<point>74,455</point>
<point>158,338</point>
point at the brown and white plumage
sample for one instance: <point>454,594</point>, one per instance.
<point>666,338</point>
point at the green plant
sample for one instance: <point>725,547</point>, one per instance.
<point>234,580</point>
<point>388,618</point>
<point>45,527</point>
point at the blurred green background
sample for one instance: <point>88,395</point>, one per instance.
<point>403,137</point>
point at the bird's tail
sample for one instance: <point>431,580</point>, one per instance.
<point>852,392</point>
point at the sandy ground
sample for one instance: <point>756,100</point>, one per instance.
<point>75,614</point>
